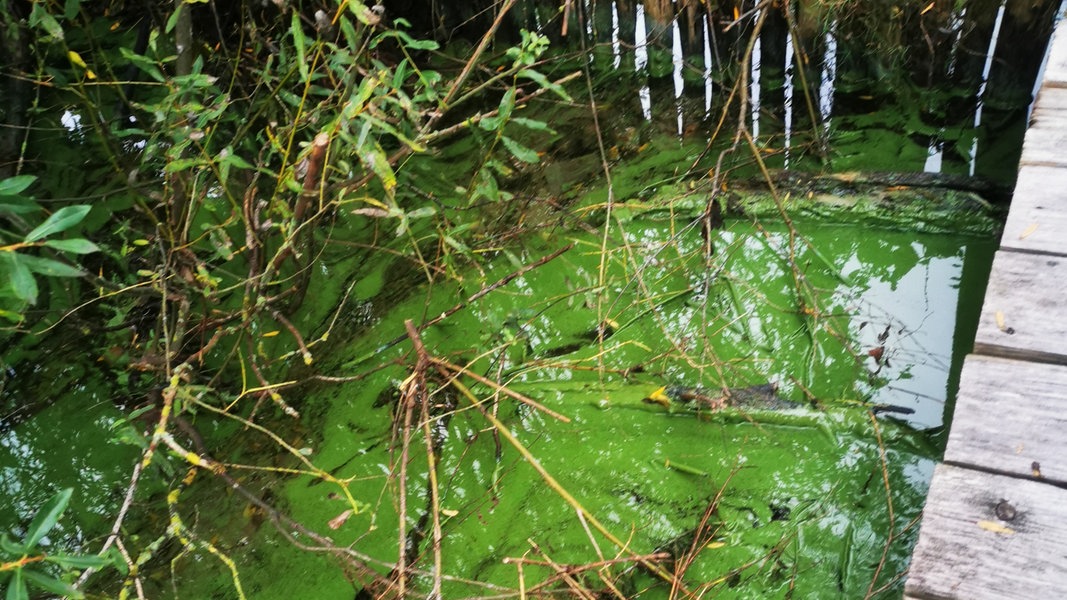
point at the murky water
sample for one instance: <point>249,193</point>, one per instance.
<point>959,77</point>
<point>792,483</point>
<point>846,307</point>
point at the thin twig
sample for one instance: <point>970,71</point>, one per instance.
<point>500,388</point>
<point>891,536</point>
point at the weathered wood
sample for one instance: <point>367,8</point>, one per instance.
<point>1011,417</point>
<point>1047,136</point>
<point>991,537</point>
<point>1025,311</point>
<point>1056,67</point>
<point>1051,100</point>
<point>1037,221</point>
<point>1004,535</point>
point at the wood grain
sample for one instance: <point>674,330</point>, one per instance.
<point>990,537</point>
<point>1011,417</point>
<point>1047,136</point>
<point>1025,311</point>
<point>995,524</point>
<point>1056,68</point>
<point>1037,221</point>
<point>1052,99</point>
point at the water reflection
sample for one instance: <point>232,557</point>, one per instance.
<point>973,84</point>
<point>68,443</point>
<point>983,84</point>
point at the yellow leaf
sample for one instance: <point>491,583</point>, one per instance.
<point>715,545</point>
<point>995,527</point>
<point>1028,232</point>
<point>76,59</point>
<point>271,333</point>
<point>1000,321</point>
<point>660,397</point>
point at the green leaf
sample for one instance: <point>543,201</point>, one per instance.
<point>118,561</point>
<point>414,44</point>
<point>49,267</point>
<point>400,74</point>
<point>51,584</point>
<point>143,63</point>
<point>349,32</point>
<point>71,8</point>
<point>39,17</point>
<point>71,561</point>
<point>297,31</point>
<point>172,20</point>
<point>490,123</point>
<point>363,14</point>
<point>47,516</point>
<point>543,81</point>
<point>422,213</point>
<point>359,99</point>
<point>182,164</point>
<point>10,547</point>
<point>385,125</point>
<point>507,104</point>
<point>234,160</point>
<point>77,246</point>
<point>456,244</point>
<point>16,185</point>
<point>61,220</point>
<point>373,157</point>
<point>486,186</point>
<point>533,124</point>
<point>18,209</point>
<point>18,276</point>
<point>519,151</point>
<point>16,588</point>
<point>10,316</point>
<point>227,160</point>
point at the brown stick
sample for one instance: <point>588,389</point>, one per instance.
<point>311,177</point>
<point>480,293</point>
<point>458,370</point>
<point>467,68</point>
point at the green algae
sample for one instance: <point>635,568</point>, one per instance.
<point>803,498</point>
<point>802,503</point>
<point>71,433</point>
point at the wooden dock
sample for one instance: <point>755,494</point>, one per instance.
<point>995,523</point>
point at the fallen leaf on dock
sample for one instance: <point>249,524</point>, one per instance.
<point>1029,230</point>
<point>995,527</point>
<point>1000,321</point>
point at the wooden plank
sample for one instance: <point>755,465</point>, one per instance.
<point>1011,417</point>
<point>1056,67</point>
<point>1051,99</point>
<point>1025,311</point>
<point>990,537</point>
<point>1037,221</point>
<point>1047,136</point>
